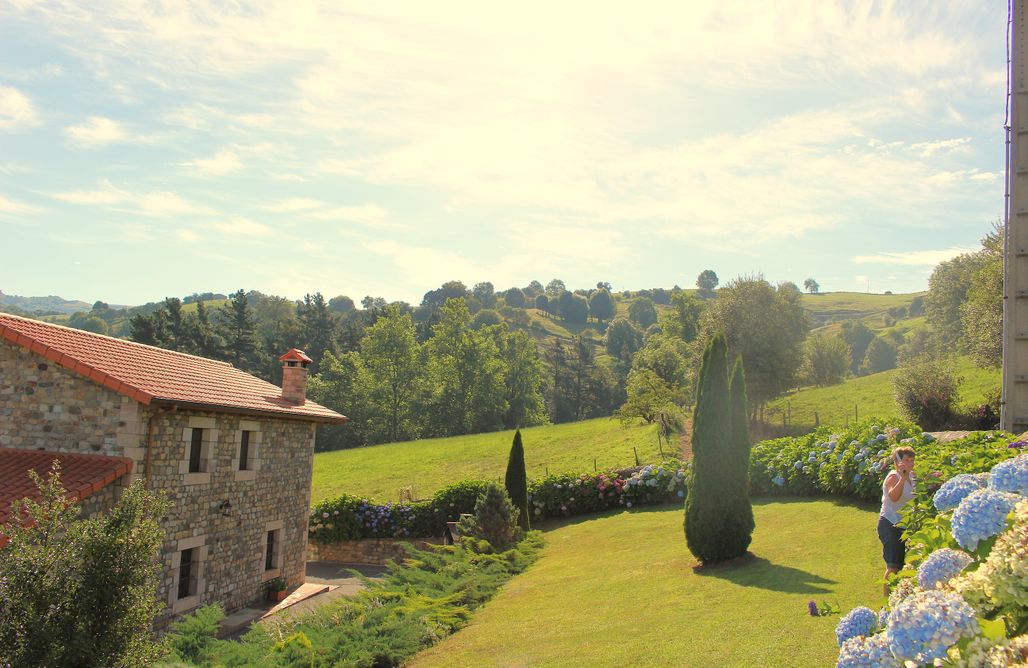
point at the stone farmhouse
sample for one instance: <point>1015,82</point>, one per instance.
<point>232,452</point>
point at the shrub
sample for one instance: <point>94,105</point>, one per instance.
<point>192,637</point>
<point>495,519</point>
<point>926,392</point>
<point>80,592</point>
<point>739,522</point>
<point>516,480</point>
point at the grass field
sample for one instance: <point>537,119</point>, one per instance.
<point>619,590</point>
<point>380,471</point>
<point>871,395</point>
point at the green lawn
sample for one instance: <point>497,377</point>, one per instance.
<point>619,590</point>
<point>380,471</point>
<point>872,395</point>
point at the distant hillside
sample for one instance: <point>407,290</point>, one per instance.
<point>42,305</point>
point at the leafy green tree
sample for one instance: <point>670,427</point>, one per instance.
<point>485,294</point>
<point>533,290</point>
<point>981,314</point>
<point>555,288</point>
<point>341,304</point>
<point>466,375</point>
<point>80,592</point>
<point>150,329</point>
<point>206,341</point>
<point>447,291</point>
<point>706,282</point>
<point>392,374</point>
<point>601,305</point>
<point>581,388</point>
<point>668,357</point>
<point>342,384</point>
<point>542,302</point>
<point>237,327</point>
<point>881,356</point>
<point>514,298</point>
<point>485,318</point>
<point>858,337</point>
<point>649,397</point>
<point>573,308</point>
<point>523,381</point>
<point>947,292</point>
<point>826,359</point>
<point>516,481</point>
<point>621,340</point>
<point>89,322</point>
<point>709,502</point>
<point>811,286</point>
<point>642,312</point>
<point>764,324</point>
<point>683,318</point>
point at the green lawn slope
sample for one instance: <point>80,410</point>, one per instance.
<point>869,395</point>
<point>619,590</point>
<point>380,471</point>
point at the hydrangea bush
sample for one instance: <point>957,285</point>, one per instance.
<point>966,604</point>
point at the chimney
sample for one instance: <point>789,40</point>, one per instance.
<point>294,376</point>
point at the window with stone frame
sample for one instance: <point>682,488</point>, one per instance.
<point>246,460</point>
<point>199,444</point>
<point>188,564</point>
<point>271,552</point>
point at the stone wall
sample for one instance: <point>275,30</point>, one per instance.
<point>370,551</point>
<point>224,512</point>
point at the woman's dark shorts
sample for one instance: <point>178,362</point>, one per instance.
<point>893,548</point>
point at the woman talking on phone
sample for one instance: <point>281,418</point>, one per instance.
<point>897,490</point>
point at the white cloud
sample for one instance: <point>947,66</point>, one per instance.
<point>96,132</point>
<point>189,236</point>
<point>16,111</point>
<point>243,227</point>
<point>292,205</point>
<point>153,203</point>
<point>927,149</point>
<point>10,207</point>
<point>223,162</point>
<point>370,215</point>
<point>920,258</point>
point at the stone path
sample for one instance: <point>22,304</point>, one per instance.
<point>326,581</point>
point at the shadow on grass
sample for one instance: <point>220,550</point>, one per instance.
<point>760,573</point>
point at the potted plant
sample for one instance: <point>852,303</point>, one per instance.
<point>277,589</point>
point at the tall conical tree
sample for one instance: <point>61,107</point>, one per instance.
<point>710,485</point>
<point>516,480</point>
<point>738,523</point>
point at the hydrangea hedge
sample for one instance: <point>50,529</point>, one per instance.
<point>350,517</point>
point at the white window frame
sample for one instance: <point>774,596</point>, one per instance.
<point>199,545</point>
<point>207,451</point>
<point>276,571</point>
<point>253,456</point>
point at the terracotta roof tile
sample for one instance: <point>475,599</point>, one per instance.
<point>148,374</point>
<point>81,475</point>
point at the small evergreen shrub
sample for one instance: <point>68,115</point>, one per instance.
<point>495,519</point>
<point>516,481</point>
<point>926,391</point>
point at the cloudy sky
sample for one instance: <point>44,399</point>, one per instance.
<point>152,149</point>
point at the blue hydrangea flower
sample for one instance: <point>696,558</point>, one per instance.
<point>778,480</point>
<point>883,618</point>
<point>798,465</point>
<point>880,437</point>
<point>812,458</point>
<point>863,652</point>
<point>923,626</point>
<point>955,489</point>
<point>859,622</point>
<point>856,479</point>
<point>1011,476</point>
<point>926,436</point>
<point>941,566</point>
<point>981,515</point>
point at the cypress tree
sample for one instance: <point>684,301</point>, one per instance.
<point>738,522</point>
<point>516,480</point>
<point>710,496</point>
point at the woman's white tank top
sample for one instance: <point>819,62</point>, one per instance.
<point>890,508</point>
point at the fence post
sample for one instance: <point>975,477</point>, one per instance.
<point>636,455</point>
<point>856,416</point>
<point>817,420</point>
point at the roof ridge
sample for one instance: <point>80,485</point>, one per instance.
<point>84,332</point>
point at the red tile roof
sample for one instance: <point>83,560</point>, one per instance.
<point>148,374</point>
<point>81,475</point>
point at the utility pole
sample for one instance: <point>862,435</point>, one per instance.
<point>1014,406</point>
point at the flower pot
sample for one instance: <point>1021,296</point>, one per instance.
<point>277,596</point>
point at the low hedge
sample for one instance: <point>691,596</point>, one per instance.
<point>350,517</point>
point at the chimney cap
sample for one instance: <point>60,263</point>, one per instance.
<point>295,355</point>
